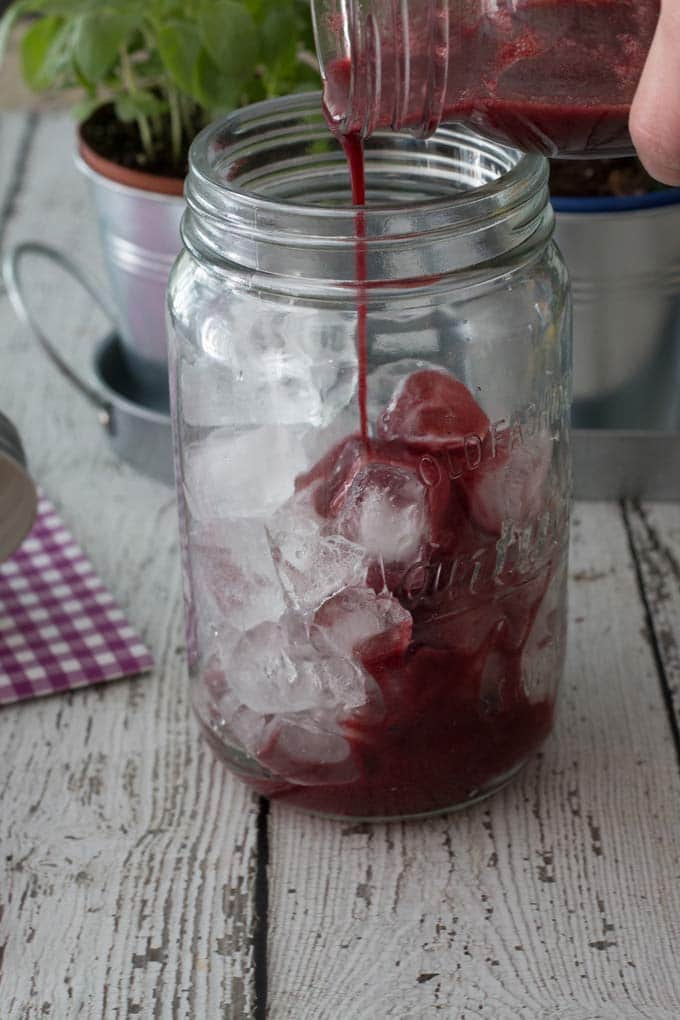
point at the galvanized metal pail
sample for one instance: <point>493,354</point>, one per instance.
<point>623,256</point>
<point>134,413</point>
<point>140,233</point>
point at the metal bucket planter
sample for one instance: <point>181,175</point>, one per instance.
<point>135,415</point>
<point>139,219</point>
<point>623,255</point>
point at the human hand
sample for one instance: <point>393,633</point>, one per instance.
<point>655,113</point>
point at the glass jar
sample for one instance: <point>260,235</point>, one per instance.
<point>550,76</point>
<point>376,625</point>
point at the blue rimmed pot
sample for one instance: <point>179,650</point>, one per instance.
<point>623,255</point>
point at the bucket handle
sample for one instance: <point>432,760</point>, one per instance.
<point>17,295</point>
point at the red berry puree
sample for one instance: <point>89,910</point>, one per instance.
<point>455,709</point>
<point>555,76</point>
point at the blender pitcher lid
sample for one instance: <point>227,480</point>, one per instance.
<point>18,495</point>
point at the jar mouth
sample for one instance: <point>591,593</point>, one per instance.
<point>273,175</point>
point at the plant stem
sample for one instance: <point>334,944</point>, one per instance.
<point>130,83</point>
<point>175,123</point>
<point>185,107</point>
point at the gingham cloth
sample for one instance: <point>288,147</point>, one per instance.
<point>59,626</point>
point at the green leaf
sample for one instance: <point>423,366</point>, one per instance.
<point>164,9</point>
<point>229,34</point>
<point>58,8</point>
<point>86,107</point>
<point>141,104</point>
<point>213,89</point>
<point>179,47</point>
<point>7,23</point>
<point>256,7</point>
<point>41,52</point>
<point>279,34</point>
<point>99,37</point>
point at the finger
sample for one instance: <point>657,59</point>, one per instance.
<point>655,113</point>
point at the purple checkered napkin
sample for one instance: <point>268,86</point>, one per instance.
<point>59,626</point>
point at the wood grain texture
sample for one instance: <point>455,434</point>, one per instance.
<point>655,538</point>
<point>128,852</point>
<point>558,898</point>
<point>130,858</point>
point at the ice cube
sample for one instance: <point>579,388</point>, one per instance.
<point>312,567</point>
<point>385,380</point>
<point>431,411</point>
<point>358,622</point>
<point>411,490</point>
<point>307,749</point>
<point>385,511</point>
<point>512,487</point>
<point>242,473</point>
<point>301,747</point>
<point>207,397</point>
<point>250,729</point>
<point>318,442</point>
<point>234,580</point>
<point>292,371</point>
<point>275,669</point>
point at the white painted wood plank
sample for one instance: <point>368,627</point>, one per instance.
<point>558,898</point>
<point>128,853</point>
<point>655,534</point>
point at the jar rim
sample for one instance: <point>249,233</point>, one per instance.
<point>468,184</point>
<point>201,163</point>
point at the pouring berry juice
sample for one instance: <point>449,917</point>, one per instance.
<point>549,76</point>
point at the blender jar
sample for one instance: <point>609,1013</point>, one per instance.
<point>550,76</point>
<point>376,622</point>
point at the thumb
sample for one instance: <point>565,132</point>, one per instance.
<point>655,113</point>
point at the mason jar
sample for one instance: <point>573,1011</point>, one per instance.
<point>374,547</point>
<point>550,76</point>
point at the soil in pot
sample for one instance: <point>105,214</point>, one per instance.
<point>120,143</point>
<point>600,178</point>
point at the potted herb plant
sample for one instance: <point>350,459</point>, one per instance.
<point>149,76</point>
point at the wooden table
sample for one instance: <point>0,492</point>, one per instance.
<point>140,879</point>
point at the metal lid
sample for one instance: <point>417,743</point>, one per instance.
<point>18,496</point>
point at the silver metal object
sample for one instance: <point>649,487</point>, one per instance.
<point>134,412</point>
<point>18,496</point>
<point>625,272</point>
<point>623,464</point>
<point>608,464</point>
<point>623,256</point>
<point>141,240</point>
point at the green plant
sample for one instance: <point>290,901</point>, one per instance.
<point>167,65</point>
